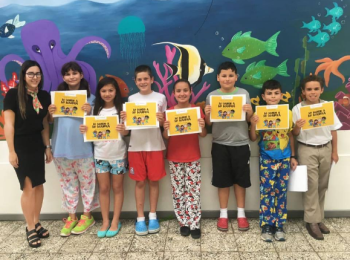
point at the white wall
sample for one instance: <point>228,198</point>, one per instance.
<point>337,197</point>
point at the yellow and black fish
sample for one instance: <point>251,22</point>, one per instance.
<point>190,66</point>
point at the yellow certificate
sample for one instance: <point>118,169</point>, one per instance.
<point>318,115</point>
<point>272,117</point>
<point>227,108</point>
<point>183,121</point>
<point>141,115</point>
<point>101,128</point>
<point>69,103</point>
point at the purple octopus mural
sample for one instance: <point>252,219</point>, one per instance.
<point>41,40</point>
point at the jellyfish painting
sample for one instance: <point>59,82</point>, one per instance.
<point>131,31</point>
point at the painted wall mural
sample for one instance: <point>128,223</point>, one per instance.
<point>182,39</point>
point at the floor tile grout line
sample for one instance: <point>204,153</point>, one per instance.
<point>132,240</point>
<point>48,227</point>
<point>62,244</point>
<point>166,238</point>
<point>346,242</point>
<point>66,239</point>
<point>305,236</point>
<point>95,244</point>
<point>200,239</point>
<point>233,234</point>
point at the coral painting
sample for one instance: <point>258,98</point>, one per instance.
<point>342,107</point>
<point>165,78</point>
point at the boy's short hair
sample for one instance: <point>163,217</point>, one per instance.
<point>227,65</point>
<point>310,78</point>
<point>143,68</point>
<point>271,84</point>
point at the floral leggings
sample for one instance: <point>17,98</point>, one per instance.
<point>77,175</point>
<point>186,184</point>
<point>274,176</point>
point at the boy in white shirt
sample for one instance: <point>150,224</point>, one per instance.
<point>146,160</point>
<point>317,148</point>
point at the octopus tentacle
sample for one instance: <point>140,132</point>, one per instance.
<point>79,45</point>
<point>3,62</point>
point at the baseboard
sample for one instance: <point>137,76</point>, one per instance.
<point>167,215</point>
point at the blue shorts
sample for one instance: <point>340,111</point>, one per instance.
<point>113,166</point>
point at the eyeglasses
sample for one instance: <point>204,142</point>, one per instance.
<point>32,74</point>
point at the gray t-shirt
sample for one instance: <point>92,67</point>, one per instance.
<point>230,133</point>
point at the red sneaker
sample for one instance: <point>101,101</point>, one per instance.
<point>243,224</point>
<point>222,224</point>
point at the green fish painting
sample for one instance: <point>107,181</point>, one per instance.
<point>243,47</point>
<point>257,73</point>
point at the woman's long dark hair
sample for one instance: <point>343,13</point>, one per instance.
<point>72,65</point>
<point>22,92</point>
<point>99,102</point>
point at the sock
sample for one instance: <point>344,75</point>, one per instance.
<point>223,213</point>
<point>141,219</point>
<point>240,213</point>
<point>152,215</point>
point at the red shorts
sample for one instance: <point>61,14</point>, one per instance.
<point>146,165</point>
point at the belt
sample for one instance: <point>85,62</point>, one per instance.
<point>313,145</point>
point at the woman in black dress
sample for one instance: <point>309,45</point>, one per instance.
<point>27,136</point>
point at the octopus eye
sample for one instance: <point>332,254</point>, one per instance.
<point>52,44</point>
<point>36,49</point>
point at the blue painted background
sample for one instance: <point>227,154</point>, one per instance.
<point>207,25</point>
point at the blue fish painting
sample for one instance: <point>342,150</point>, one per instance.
<point>313,26</point>
<point>336,11</point>
<point>321,38</point>
<point>333,27</point>
<point>7,29</point>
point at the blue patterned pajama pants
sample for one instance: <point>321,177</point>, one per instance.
<point>274,176</point>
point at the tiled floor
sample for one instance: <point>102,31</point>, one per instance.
<point>168,244</point>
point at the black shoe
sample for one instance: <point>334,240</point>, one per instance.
<point>184,231</point>
<point>196,233</point>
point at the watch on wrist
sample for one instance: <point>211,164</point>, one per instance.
<point>47,146</point>
<point>293,156</point>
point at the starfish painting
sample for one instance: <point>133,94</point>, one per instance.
<point>331,66</point>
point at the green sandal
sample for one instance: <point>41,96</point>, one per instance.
<point>33,238</point>
<point>41,231</point>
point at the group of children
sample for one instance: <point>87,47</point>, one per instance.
<point>317,149</point>
<point>77,161</point>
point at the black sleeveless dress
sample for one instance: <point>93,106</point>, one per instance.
<point>28,142</point>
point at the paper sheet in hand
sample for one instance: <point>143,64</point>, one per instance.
<point>298,179</point>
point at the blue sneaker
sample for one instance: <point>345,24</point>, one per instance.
<point>153,226</point>
<point>141,228</point>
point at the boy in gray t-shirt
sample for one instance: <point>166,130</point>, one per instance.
<point>230,150</point>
